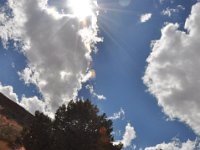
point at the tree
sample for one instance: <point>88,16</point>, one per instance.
<point>39,135</point>
<point>79,126</point>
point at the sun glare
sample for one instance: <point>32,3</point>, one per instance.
<point>81,8</point>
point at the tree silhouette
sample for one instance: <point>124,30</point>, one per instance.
<point>39,135</point>
<point>79,126</point>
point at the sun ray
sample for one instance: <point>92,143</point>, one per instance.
<point>119,43</point>
<point>116,10</point>
<point>110,35</point>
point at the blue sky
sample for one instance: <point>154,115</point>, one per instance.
<point>153,94</point>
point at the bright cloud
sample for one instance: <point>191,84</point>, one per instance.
<point>81,9</point>
<point>176,145</point>
<point>145,17</point>
<point>31,104</point>
<point>128,136</point>
<point>8,91</point>
<point>94,94</point>
<point>118,115</point>
<point>57,48</point>
<point>172,74</point>
<point>91,74</point>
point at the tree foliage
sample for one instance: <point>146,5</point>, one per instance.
<point>38,135</point>
<point>79,126</point>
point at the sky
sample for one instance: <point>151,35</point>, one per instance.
<point>137,60</point>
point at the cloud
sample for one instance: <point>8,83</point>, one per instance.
<point>31,104</point>
<point>145,17</point>
<point>91,74</point>
<point>8,91</point>
<point>176,145</point>
<point>128,136</point>
<point>169,11</point>
<point>172,73</point>
<point>57,46</point>
<point>60,5</point>
<point>94,94</point>
<point>118,115</point>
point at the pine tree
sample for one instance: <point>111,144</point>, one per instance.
<point>39,135</point>
<point>79,126</point>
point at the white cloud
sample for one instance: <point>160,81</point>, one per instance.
<point>172,74</point>
<point>89,75</point>
<point>31,104</point>
<point>169,11</point>
<point>175,145</point>
<point>134,146</point>
<point>94,94</point>
<point>145,17</point>
<point>128,136</point>
<point>118,115</point>
<point>8,91</point>
<point>57,47</point>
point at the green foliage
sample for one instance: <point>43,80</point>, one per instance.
<point>75,127</point>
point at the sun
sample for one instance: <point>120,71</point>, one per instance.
<point>81,8</point>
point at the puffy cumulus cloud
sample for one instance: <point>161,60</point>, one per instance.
<point>31,104</point>
<point>118,115</point>
<point>94,94</point>
<point>145,17</point>
<point>57,47</point>
<point>176,145</point>
<point>128,136</point>
<point>8,91</point>
<point>172,74</point>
